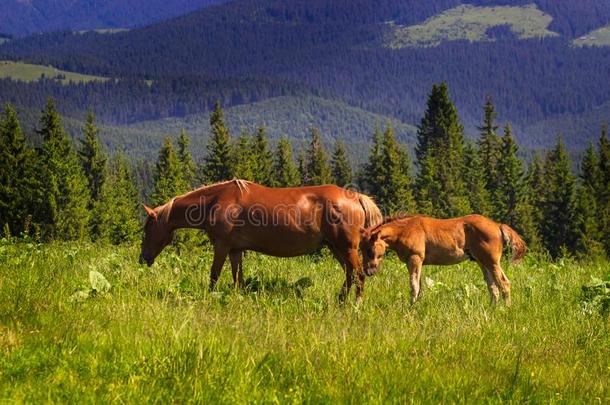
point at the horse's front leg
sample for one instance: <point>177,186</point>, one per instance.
<point>414,263</point>
<point>236,258</point>
<point>220,255</point>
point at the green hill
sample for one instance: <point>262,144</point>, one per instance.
<point>599,37</point>
<point>471,23</point>
<point>290,116</point>
<point>29,73</point>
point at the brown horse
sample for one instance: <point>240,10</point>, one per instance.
<point>239,215</point>
<point>420,240</point>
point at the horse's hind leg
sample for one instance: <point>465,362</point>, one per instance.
<point>502,281</point>
<point>349,274</point>
<point>236,258</point>
<point>220,255</point>
<point>491,283</point>
<point>414,263</point>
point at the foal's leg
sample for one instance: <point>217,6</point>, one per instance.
<point>414,263</point>
<point>236,258</point>
<point>492,287</point>
<point>220,255</point>
<point>502,281</point>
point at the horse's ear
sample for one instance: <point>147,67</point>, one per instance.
<point>362,232</point>
<point>150,212</point>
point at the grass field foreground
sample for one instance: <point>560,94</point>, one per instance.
<point>158,335</point>
<point>471,23</point>
<point>30,73</point>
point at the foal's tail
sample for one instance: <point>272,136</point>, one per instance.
<point>372,214</point>
<point>512,238</point>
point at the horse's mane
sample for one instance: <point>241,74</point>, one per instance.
<point>393,218</point>
<point>166,209</point>
<point>242,185</point>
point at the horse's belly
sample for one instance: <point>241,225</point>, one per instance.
<point>441,256</point>
<point>280,243</point>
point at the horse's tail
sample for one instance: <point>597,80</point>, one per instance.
<point>512,238</point>
<point>372,214</point>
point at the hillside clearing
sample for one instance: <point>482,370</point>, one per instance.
<point>27,72</point>
<point>599,37</point>
<point>471,23</point>
<point>158,335</point>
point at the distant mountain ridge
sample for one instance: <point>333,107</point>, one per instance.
<point>336,50</point>
<point>25,17</point>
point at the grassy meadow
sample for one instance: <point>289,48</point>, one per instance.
<point>471,23</point>
<point>159,336</point>
<point>27,72</point>
<point>599,37</point>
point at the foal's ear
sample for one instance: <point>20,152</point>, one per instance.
<point>150,212</point>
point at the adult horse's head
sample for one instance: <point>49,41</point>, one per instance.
<point>373,249</point>
<point>157,235</point>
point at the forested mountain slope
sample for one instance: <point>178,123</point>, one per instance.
<point>23,17</point>
<point>338,50</point>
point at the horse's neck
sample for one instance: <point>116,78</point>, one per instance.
<point>190,211</point>
<point>390,235</point>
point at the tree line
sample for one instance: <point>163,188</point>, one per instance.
<point>61,191</point>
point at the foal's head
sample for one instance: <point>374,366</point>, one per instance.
<point>157,235</point>
<point>373,249</point>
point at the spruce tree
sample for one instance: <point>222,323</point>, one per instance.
<point>117,211</point>
<point>263,160</point>
<point>474,177</point>
<point>243,157</point>
<point>588,193</point>
<point>168,179</point>
<point>93,158</point>
<point>341,169</point>
<point>64,212</point>
<point>508,187</point>
<point>440,157</point>
<point>284,171</point>
<point>317,166</point>
<point>218,163</point>
<point>394,193</point>
<point>186,160</point>
<point>535,189</point>
<point>489,147</point>
<point>18,178</point>
<point>558,228</point>
<point>603,195</point>
<point>372,174</point>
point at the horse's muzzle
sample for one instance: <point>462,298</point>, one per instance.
<point>371,271</point>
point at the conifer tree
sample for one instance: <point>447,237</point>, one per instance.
<point>603,195</point>
<point>285,172</point>
<point>559,208</point>
<point>317,166</point>
<point>263,160</point>
<point>341,169</point>
<point>218,163</point>
<point>168,179</point>
<point>93,158</point>
<point>186,160</point>
<point>508,187</point>
<point>243,157</point>
<point>18,179</point>
<point>117,211</point>
<point>535,189</point>
<point>394,193</point>
<point>440,143</point>
<point>64,187</point>
<point>589,189</point>
<point>372,173</point>
<point>474,176</point>
<point>489,147</point>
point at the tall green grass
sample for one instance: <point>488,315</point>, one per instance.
<point>159,336</point>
